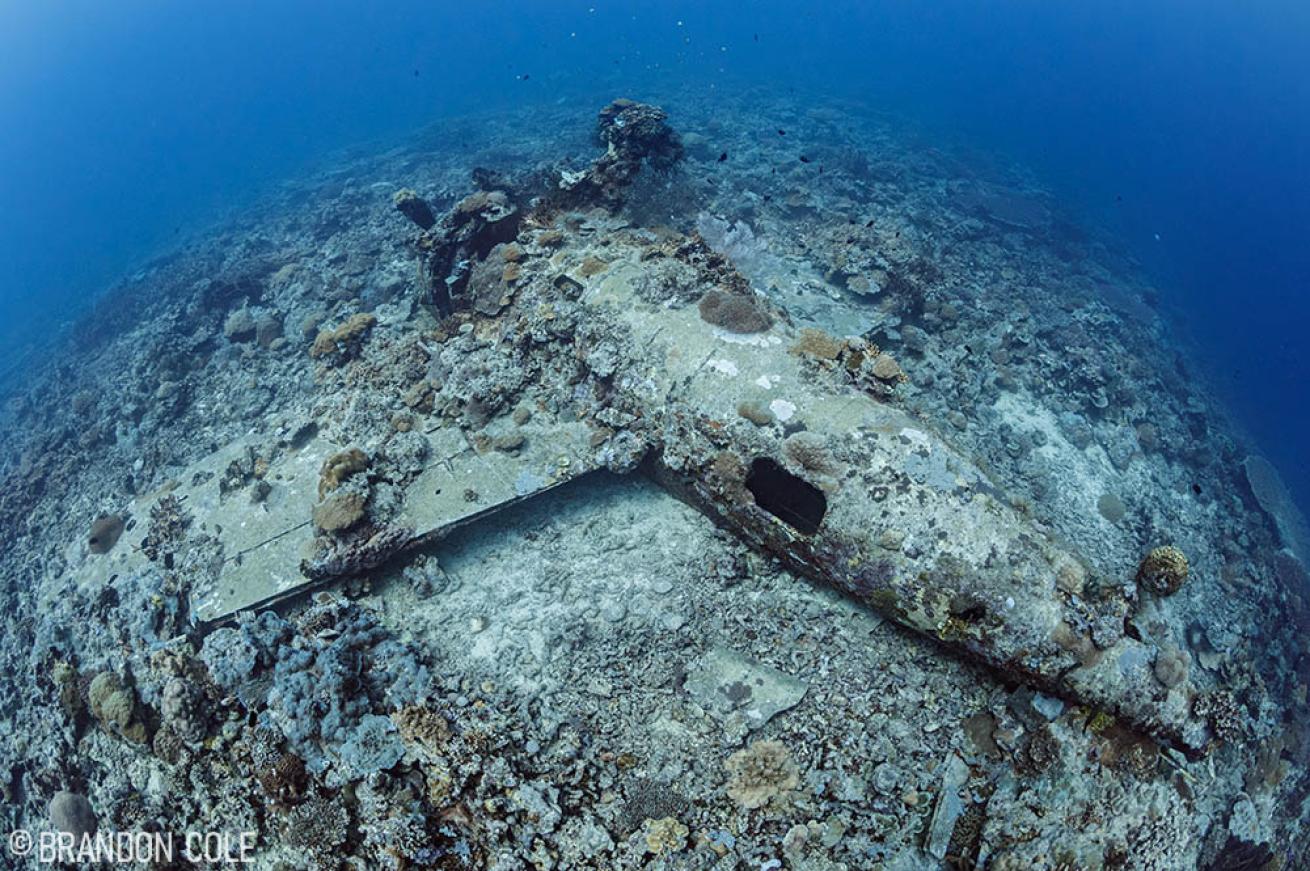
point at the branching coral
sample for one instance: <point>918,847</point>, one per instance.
<point>422,727</point>
<point>761,773</point>
<point>318,685</point>
<point>183,710</point>
<point>167,529</point>
<point>372,745</point>
<point>318,826</point>
<point>1226,718</point>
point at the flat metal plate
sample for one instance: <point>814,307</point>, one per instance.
<point>264,542</point>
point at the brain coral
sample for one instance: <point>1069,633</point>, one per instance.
<point>1163,571</point>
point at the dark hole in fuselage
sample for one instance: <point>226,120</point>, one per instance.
<point>793,500</point>
<point>970,613</point>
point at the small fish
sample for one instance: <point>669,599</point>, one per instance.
<point>757,37</point>
<point>723,157</point>
<point>523,77</point>
<point>868,225</point>
<point>416,72</point>
<point>782,132</point>
<point>804,159</point>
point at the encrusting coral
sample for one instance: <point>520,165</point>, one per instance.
<point>485,771</point>
<point>344,341</point>
<point>818,344</point>
<point>734,312</point>
<point>339,511</point>
<point>338,467</point>
<point>665,835</point>
<point>1171,666</point>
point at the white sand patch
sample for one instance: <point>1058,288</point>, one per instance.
<point>782,409</point>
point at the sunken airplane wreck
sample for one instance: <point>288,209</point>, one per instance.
<point>787,436</point>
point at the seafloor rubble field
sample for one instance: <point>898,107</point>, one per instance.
<point>780,492</point>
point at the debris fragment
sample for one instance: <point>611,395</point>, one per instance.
<point>724,682</point>
<point>412,206</point>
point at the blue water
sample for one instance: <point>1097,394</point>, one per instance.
<point>1184,126</point>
